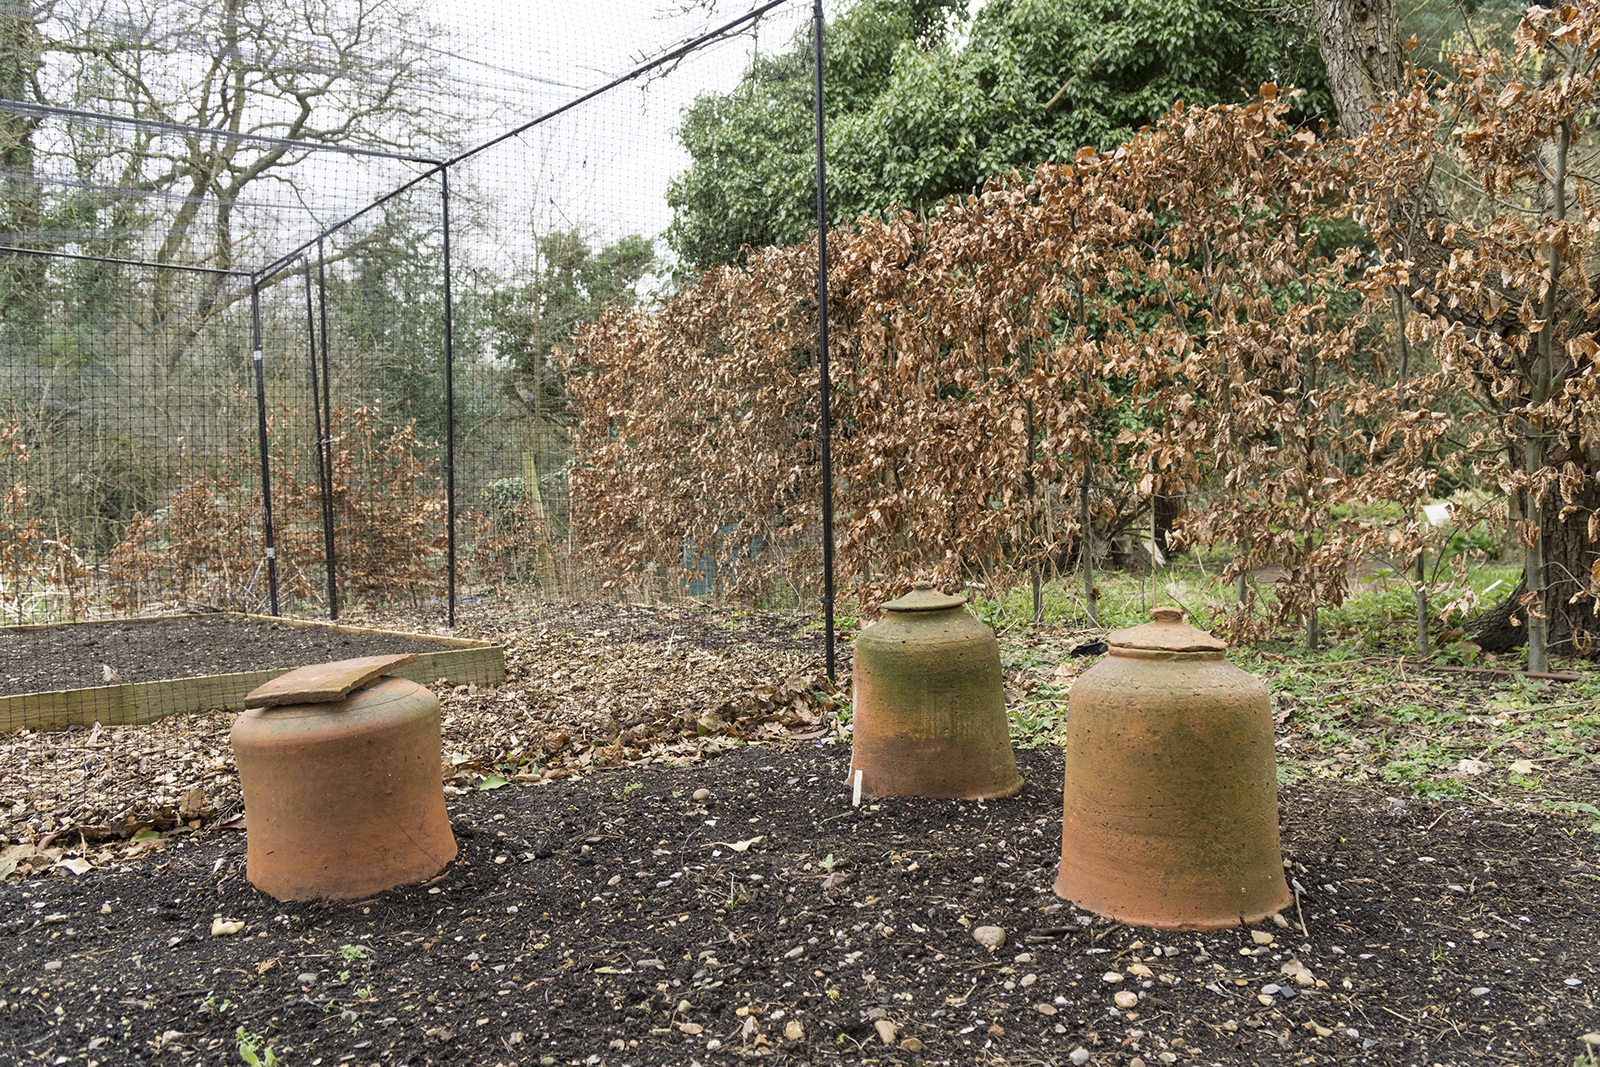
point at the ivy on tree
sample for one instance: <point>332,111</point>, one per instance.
<point>923,103</point>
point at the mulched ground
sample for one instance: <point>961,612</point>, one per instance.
<point>603,911</point>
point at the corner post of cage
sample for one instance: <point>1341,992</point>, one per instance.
<point>319,435</point>
<point>325,441</point>
<point>261,438</point>
<point>825,430</point>
<point>449,406</point>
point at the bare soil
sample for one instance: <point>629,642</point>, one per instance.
<point>51,658</point>
<point>604,912</point>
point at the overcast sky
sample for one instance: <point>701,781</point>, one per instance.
<point>602,167</point>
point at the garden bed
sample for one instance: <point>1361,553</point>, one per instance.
<point>605,911</point>
<point>124,671</point>
<point>621,920</point>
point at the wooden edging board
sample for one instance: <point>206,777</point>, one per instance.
<point>460,662</point>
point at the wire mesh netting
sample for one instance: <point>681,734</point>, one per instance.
<point>281,283</point>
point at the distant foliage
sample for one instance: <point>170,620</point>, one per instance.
<point>924,102</point>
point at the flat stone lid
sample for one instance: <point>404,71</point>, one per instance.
<point>323,683</point>
<point>924,597</point>
<point>1167,632</point>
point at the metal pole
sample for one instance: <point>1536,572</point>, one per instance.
<point>826,429</point>
<point>326,442</point>
<point>449,411</point>
<point>320,440</point>
<point>261,438</point>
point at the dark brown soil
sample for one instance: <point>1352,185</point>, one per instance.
<point>81,656</point>
<point>608,917</point>
<point>617,920</point>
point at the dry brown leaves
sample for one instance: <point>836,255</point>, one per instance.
<point>588,687</point>
<point>1170,319</point>
<point>1163,320</point>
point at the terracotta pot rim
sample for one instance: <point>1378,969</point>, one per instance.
<point>1213,922</point>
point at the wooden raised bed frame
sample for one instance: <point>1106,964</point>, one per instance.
<point>458,662</point>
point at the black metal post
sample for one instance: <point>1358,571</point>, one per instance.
<point>320,439</point>
<point>261,438</point>
<point>449,411</point>
<point>826,428</point>
<point>325,442</point>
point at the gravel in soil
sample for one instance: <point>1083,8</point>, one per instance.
<point>672,873</point>
<point>742,907</point>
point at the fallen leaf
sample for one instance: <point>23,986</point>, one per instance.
<point>193,804</point>
<point>1471,766</point>
<point>75,865</point>
<point>738,846</point>
<point>12,857</point>
<point>493,781</point>
<point>1522,766</point>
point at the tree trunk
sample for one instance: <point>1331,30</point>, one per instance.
<point>1166,510</point>
<point>1363,55</point>
<point>22,277</point>
<point>1574,629</point>
<point>1366,65</point>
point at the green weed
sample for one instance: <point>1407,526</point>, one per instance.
<point>254,1050</point>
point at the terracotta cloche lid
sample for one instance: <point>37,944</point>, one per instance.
<point>1167,632</point>
<point>924,597</point>
<point>324,683</point>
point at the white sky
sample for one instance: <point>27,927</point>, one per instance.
<point>603,167</point>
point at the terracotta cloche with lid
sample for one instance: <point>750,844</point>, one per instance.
<point>1170,803</point>
<point>929,705</point>
<point>339,767</point>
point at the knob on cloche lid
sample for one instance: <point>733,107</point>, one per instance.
<point>924,597</point>
<point>1167,632</point>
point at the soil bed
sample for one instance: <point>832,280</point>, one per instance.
<point>619,909</point>
<point>604,912</point>
<point>82,656</point>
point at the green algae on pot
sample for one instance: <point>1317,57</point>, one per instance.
<point>1169,801</point>
<point>929,704</point>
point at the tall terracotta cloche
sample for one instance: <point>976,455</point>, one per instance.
<point>929,705</point>
<point>1170,803</point>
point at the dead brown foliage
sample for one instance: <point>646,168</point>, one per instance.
<point>1157,320</point>
<point>34,562</point>
<point>1226,308</point>
<point>206,544</point>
